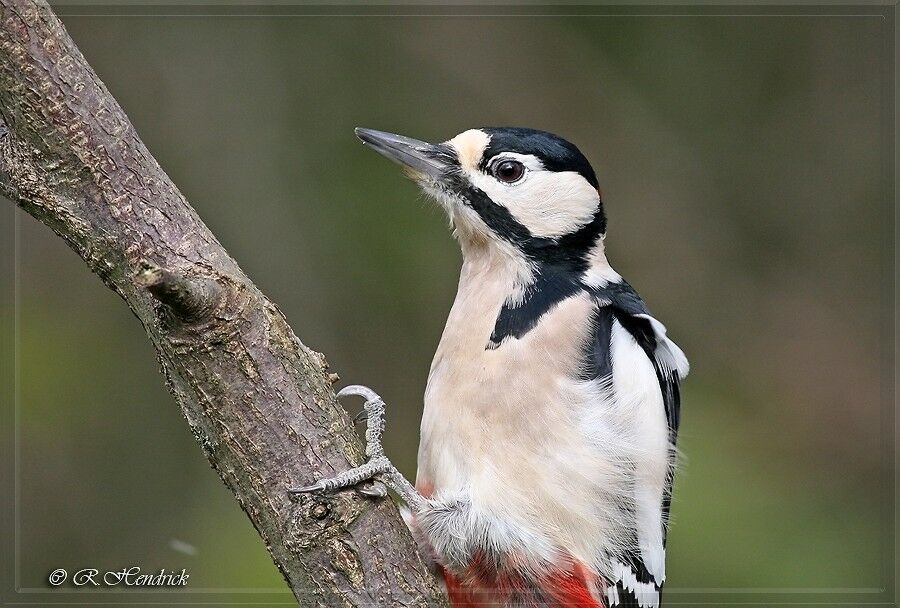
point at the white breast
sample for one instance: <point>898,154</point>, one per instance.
<point>544,460</point>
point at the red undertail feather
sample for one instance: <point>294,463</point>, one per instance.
<point>478,587</point>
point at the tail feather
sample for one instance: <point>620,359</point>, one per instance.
<point>634,587</point>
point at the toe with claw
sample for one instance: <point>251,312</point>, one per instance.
<point>377,468</point>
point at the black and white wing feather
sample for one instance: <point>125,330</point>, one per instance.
<point>640,573</point>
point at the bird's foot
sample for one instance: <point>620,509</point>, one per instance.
<point>377,468</point>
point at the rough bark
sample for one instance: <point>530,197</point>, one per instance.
<point>259,402</point>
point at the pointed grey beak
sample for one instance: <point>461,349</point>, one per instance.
<point>419,156</point>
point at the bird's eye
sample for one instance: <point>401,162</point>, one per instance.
<point>508,171</point>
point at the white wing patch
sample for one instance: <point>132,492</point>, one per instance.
<point>638,392</point>
<point>671,359</point>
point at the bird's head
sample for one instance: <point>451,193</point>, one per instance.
<point>520,190</point>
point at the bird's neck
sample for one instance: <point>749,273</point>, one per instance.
<point>598,271</point>
<point>514,290</point>
<point>488,261</point>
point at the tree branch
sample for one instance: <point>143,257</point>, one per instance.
<point>259,402</point>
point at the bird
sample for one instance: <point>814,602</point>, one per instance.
<point>551,411</point>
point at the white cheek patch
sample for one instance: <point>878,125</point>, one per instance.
<point>550,204</point>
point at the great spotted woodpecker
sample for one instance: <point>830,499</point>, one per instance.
<point>551,411</point>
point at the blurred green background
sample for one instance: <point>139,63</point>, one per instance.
<point>742,164</point>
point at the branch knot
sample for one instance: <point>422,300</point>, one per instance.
<point>190,299</point>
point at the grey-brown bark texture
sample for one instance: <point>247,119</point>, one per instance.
<point>258,401</point>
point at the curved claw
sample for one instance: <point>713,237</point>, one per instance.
<point>359,390</point>
<point>360,417</point>
<point>376,490</point>
<point>313,488</point>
